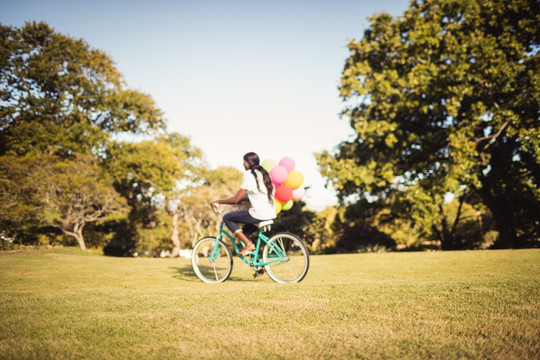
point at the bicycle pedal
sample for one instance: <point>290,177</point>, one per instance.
<point>258,273</point>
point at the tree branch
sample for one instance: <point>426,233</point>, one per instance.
<point>494,137</point>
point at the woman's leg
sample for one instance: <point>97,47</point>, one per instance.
<point>232,220</point>
<point>249,229</point>
<point>249,245</point>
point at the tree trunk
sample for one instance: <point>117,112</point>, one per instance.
<point>80,240</point>
<point>502,214</point>
<point>76,233</point>
<point>78,228</point>
<point>445,235</point>
<point>174,237</point>
<point>503,222</point>
<point>197,232</point>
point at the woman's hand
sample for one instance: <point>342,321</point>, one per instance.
<point>233,200</point>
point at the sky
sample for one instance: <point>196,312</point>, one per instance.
<point>233,76</point>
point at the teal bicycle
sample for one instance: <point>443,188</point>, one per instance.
<point>283,256</point>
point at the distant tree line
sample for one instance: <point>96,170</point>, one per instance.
<point>83,157</point>
<point>443,101</point>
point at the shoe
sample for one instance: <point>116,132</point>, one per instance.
<point>247,249</point>
<point>259,272</point>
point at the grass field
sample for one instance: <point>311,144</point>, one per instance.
<point>66,304</point>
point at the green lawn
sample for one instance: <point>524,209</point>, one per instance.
<point>66,304</point>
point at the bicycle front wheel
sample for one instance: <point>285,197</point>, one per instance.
<point>211,260</point>
<point>288,258</point>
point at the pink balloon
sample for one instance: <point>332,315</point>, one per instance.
<point>298,194</point>
<point>288,163</point>
<point>278,175</point>
<point>283,193</point>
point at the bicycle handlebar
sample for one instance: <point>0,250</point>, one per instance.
<point>216,209</point>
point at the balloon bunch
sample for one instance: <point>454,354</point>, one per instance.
<point>287,182</point>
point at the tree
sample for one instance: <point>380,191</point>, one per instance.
<point>66,194</point>
<point>18,213</point>
<point>445,99</point>
<point>324,228</point>
<point>62,98</point>
<point>59,96</point>
<point>148,174</point>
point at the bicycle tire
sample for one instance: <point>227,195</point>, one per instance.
<point>296,265</point>
<point>215,271</point>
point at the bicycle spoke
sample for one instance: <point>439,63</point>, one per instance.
<point>215,271</point>
<point>282,246</point>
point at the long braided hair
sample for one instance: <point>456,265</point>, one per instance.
<point>253,161</point>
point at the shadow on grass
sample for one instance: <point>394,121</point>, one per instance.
<point>186,273</point>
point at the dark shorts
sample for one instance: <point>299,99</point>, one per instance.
<point>234,218</point>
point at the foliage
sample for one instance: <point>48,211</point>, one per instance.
<point>193,205</point>
<point>469,230</point>
<point>148,171</point>
<point>297,220</point>
<point>61,99</point>
<point>358,228</point>
<point>445,99</point>
<point>458,225</point>
<point>323,229</point>
<point>402,230</point>
<point>147,175</point>
<point>18,211</point>
<point>48,191</point>
<point>60,96</point>
<point>153,238</point>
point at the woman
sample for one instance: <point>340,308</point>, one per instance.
<point>260,192</point>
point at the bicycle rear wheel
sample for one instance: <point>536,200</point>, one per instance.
<point>211,263</point>
<point>289,258</point>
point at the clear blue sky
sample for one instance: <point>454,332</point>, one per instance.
<point>234,76</point>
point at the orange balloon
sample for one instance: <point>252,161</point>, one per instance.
<point>294,179</point>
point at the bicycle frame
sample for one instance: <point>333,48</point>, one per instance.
<point>256,260</point>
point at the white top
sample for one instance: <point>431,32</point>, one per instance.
<point>261,208</point>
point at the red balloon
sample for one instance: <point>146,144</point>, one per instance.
<point>283,193</point>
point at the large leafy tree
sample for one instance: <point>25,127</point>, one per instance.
<point>445,99</point>
<point>66,194</point>
<point>59,96</point>
<point>148,175</point>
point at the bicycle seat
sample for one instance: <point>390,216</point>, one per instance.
<point>265,225</point>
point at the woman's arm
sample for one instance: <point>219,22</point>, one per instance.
<point>233,200</point>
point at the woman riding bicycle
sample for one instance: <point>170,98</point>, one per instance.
<point>260,192</point>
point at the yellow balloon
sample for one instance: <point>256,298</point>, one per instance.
<point>294,179</point>
<point>277,206</point>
